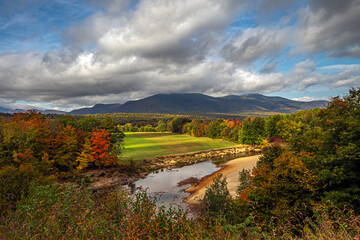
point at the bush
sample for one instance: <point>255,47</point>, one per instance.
<point>216,200</point>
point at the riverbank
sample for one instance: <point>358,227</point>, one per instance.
<point>230,170</point>
<point>128,173</point>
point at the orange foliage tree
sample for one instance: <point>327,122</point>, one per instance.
<point>100,141</point>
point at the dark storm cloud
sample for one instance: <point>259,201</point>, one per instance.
<point>331,7</point>
<point>256,43</point>
<point>332,27</point>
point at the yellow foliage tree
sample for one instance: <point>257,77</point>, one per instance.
<point>85,156</point>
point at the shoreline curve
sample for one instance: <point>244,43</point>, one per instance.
<point>230,170</point>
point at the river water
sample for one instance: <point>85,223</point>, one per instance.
<point>168,186</point>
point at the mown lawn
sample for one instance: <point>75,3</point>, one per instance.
<point>139,146</point>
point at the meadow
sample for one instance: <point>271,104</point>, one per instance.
<point>145,145</point>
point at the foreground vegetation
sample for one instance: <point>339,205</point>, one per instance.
<point>73,212</point>
<point>308,188</point>
<point>147,145</point>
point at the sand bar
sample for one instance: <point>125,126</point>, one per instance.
<point>230,170</point>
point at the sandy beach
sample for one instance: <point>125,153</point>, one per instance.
<point>230,170</point>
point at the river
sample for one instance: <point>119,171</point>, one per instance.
<point>168,186</point>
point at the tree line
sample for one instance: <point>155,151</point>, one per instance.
<point>250,131</point>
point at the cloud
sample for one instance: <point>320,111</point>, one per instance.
<point>304,67</point>
<point>88,78</point>
<point>309,99</point>
<point>306,74</point>
<point>331,27</point>
<point>256,43</point>
<point>268,68</point>
<point>190,30</point>
<point>125,50</point>
<point>342,67</point>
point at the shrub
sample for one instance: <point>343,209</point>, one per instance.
<point>216,200</point>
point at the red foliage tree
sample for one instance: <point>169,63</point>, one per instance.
<point>100,141</point>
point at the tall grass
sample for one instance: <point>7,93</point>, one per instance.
<point>53,212</point>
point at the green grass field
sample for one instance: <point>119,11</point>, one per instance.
<point>139,146</point>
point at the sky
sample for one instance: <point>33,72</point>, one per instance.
<point>67,54</point>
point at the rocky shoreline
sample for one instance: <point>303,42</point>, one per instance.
<point>128,173</point>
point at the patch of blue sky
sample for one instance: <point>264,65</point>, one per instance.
<point>323,92</point>
<point>31,105</point>
<point>311,94</point>
<point>12,43</point>
<point>241,22</point>
<point>133,4</point>
<point>288,61</point>
<point>283,61</point>
<point>40,26</point>
<point>316,92</point>
<point>324,60</point>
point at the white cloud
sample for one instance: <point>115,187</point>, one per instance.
<point>128,52</point>
<point>191,28</point>
<point>309,99</point>
<point>330,26</point>
<point>341,67</point>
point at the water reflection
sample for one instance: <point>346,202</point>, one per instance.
<point>168,185</point>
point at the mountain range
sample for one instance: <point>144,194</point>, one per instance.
<point>7,110</point>
<point>195,103</point>
<point>200,103</point>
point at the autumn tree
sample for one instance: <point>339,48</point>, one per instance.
<point>116,143</point>
<point>161,126</point>
<point>288,129</point>
<point>285,184</point>
<point>109,124</point>
<point>67,149</point>
<point>85,158</point>
<point>270,125</point>
<point>149,128</point>
<point>128,127</point>
<point>252,131</point>
<point>68,120</point>
<point>100,142</point>
<point>175,126</point>
<point>216,128</point>
<point>88,123</point>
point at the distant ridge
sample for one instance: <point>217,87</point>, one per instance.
<point>200,103</point>
<point>49,111</point>
<point>4,110</point>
